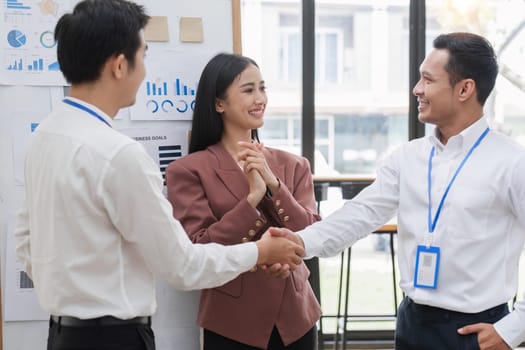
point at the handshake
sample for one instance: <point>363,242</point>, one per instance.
<point>280,251</point>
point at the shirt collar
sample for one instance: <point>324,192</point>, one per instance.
<point>95,109</point>
<point>462,141</point>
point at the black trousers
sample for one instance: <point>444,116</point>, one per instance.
<point>121,337</point>
<point>214,341</point>
<point>421,327</point>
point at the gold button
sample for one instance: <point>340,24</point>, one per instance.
<point>286,218</point>
<point>253,269</point>
<point>277,202</point>
<point>245,239</point>
<point>251,233</point>
<point>280,211</point>
<point>258,223</point>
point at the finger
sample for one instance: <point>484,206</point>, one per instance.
<point>251,166</point>
<point>275,268</point>
<point>277,231</point>
<point>300,251</point>
<point>285,272</point>
<point>250,158</point>
<point>473,328</point>
<point>254,160</point>
<point>284,275</point>
<point>296,260</point>
<point>244,154</point>
<point>285,268</point>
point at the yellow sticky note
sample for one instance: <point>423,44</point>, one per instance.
<point>157,29</point>
<point>191,30</point>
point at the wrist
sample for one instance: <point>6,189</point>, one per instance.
<point>254,198</point>
<point>273,188</point>
<point>261,256</point>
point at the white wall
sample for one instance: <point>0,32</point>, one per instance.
<point>174,322</point>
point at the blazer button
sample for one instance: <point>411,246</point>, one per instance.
<point>286,218</point>
<point>258,223</point>
<point>280,211</point>
<point>245,239</point>
<point>277,202</point>
<point>251,233</point>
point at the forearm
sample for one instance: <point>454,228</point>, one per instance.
<point>23,247</point>
<point>293,213</point>
<point>512,327</point>
<point>231,228</point>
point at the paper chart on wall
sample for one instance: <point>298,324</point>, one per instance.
<point>28,47</point>
<point>26,123</point>
<point>169,89</point>
<point>164,145</point>
<point>27,107</point>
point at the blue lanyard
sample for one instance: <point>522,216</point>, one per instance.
<point>432,224</point>
<point>86,109</point>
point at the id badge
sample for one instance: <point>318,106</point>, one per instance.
<point>427,267</point>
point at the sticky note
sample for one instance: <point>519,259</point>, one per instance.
<point>157,29</point>
<point>191,30</point>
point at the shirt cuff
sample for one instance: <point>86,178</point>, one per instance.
<point>511,329</point>
<point>307,245</point>
<point>253,254</point>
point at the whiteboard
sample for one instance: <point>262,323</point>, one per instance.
<point>175,320</point>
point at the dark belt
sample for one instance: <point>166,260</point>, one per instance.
<point>431,311</point>
<point>69,321</point>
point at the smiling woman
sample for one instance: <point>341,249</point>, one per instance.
<point>230,189</point>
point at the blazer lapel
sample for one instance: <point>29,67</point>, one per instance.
<point>229,172</point>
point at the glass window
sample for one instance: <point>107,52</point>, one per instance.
<point>290,56</point>
<point>271,35</point>
<point>503,24</point>
<point>361,76</point>
<point>359,84</point>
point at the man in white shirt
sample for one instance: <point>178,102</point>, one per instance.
<point>459,195</point>
<point>96,225</point>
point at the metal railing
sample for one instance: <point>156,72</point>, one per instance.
<point>344,335</point>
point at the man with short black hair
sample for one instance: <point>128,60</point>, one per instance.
<point>459,195</point>
<point>96,225</point>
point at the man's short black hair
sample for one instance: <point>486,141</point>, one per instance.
<point>95,31</point>
<point>471,57</point>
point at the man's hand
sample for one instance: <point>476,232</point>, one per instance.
<point>273,250</point>
<point>286,233</point>
<point>281,270</point>
<point>277,270</point>
<point>488,338</point>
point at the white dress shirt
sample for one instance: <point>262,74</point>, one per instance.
<point>96,225</point>
<point>480,232</point>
